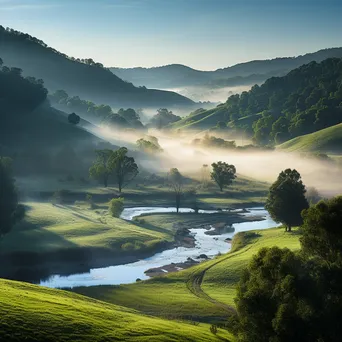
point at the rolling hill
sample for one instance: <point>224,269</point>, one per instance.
<point>34,313</point>
<point>306,100</point>
<point>328,140</point>
<point>177,75</point>
<point>84,78</point>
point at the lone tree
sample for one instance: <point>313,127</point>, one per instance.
<point>101,169</point>
<point>223,174</point>
<point>124,168</point>
<point>74,119</point>
<point>10,211</point>
<point>176,181</point>
<point>286,199</point>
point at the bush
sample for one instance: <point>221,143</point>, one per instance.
<point>213,329</point>
<point>116,206</point>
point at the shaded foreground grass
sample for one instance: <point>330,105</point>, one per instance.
<point>178,295</point>
<point>33,313</point>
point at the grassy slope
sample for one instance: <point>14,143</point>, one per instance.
<point>178,294</point>
<point>33,313</point>
<point>220,280</point>
<point>325,140</point>
<point>201,121</point>
<point>48,228</point>
<point>245,121</point>
<point>209,119</point>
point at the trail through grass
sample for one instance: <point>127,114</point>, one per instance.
<point>205,292</point>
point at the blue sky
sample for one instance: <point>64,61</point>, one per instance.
<point>204,34</point>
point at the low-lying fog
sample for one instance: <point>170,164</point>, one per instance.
<point>263,166</point>
<point>215,95</point>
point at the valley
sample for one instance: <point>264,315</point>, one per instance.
<point>142,199</point>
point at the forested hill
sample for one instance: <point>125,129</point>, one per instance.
<point>177,75</point>
<point>31,132</point>
<point>306,100</point>
<point>79,77</point>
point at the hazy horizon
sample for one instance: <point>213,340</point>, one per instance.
<point>204,35</point>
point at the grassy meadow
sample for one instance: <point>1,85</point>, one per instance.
<point>34,313</point>
<point>204,292</point>
<point>326,140</point>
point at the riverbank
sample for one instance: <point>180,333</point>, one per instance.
<point>205,244</point>
<point>201,293</point>
<point>65,239</point>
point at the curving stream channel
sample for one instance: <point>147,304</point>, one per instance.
<point>128,273</point>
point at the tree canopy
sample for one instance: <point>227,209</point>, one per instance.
<point>287,296</point>
<point>223,174</point>
<point>322,231</point>
<point>101,169</point>
<point>20,92</point>
<point>286,199</point>
<point>163,118</point>
<point>74,119</point>
<point>124,168</point>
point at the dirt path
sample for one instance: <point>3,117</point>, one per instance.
<point>195,280</point>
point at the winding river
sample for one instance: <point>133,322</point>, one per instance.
<point>128,273</point>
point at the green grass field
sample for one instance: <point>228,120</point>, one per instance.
<point>141,193</point>
<point>49,228</point>
<point>33,313</point>
<point>328,140</point>
<point>204,292</point>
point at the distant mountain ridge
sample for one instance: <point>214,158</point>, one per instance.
<point>88,79</point>
<point>256,71</point>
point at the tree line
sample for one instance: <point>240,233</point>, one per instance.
<point>19,92</point>
<point>14,35</point>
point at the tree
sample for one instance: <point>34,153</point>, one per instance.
<point>129,114</point>
<point>149,144</point>
<point>60,96</point>
<point>274,299</point>
<point>116,206</point>
<point>223,174</point>
<point>163,118</point>
<point>286,199</point>
<point>74,119</point>
<point>101,169</point>
<point>123,167</point>
<point>176,181</point>
<point>10,211</point>
<point>322,231</point>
